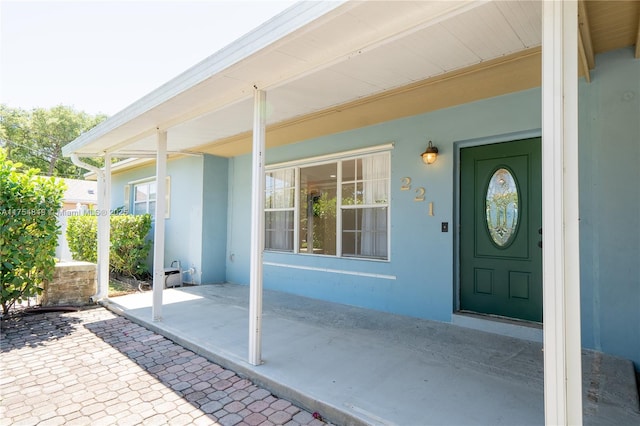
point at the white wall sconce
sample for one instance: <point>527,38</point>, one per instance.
<point>430,155</point>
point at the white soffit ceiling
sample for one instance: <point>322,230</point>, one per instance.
<point>354,51</point>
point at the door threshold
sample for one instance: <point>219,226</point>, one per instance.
<point>525,330</point>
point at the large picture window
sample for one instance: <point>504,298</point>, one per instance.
<point>336,208</point>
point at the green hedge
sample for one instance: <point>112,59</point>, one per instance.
<point>129,246</point>
<point>28,230</point>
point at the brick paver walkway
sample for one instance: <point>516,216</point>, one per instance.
<point>94,367</point>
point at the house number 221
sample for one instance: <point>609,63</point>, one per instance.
<point>406,185</point>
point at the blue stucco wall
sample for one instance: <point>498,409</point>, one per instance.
<point>210,210</point>
<point>214,220</point>
<point>183,239</point>
<point>422,258</point>
<point>238,225</point>
<point>184,228</point>
<point>418,278</point>
<point>610,205</point>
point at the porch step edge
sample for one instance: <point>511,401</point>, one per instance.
<point>497,326</point>
<point>329,412</point>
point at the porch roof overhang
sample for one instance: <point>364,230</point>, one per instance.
<point>333,66</point>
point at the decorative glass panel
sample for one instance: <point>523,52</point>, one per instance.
<point>502,207</point>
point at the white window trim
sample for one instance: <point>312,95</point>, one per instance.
<point>326,159</point>
<point>330,158</point>
<point>130,194</point>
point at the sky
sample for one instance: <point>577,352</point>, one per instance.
<point>101,56</point>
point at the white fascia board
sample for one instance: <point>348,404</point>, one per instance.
<point>121,166</point>
<point>283,24</point>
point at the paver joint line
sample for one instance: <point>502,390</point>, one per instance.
<point>94,367</point>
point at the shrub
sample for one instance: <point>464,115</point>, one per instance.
<point>28,230</point>
<point>82,239</point>
<point>129,246</point>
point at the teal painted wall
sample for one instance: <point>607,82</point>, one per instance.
<point>610,205</point>
<point>214,221</point>
<point>184,228</point>
<point>183,239</point>
<point>422,257</point>
<point>210,216</point>
<point>238,225</point>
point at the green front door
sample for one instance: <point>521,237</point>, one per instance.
<point>501,229</point>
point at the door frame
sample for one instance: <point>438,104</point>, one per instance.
<point>457,147</point>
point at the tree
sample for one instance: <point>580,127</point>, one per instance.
<point>35,138</point>
<point>28,230</point>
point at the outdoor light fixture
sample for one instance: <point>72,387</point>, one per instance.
<point>430,155</point>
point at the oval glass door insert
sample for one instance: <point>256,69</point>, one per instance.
<point>502,207</point>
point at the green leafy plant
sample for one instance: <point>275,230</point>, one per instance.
<point>81,237</point>
<point>129,245</point>
<point>28,230</point>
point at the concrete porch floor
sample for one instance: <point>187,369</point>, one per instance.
<point>358,366</point>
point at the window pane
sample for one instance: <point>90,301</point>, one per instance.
<point>144,198</point>
<point>279,179</point>
<point>279,230</point>
<point>279,187</point>
<point>139,208</point>
<point>349,195</point>
<point>348,170</point>
<point>283,198</point>
<point>375,174</point>
<point>152,191</point>
<point>350,235</point>
<point>364,232</point>
<point>318,192</point>
<point>141,192</point>
<point>366,180</point>
<point>269,196</point>
<point>374,192</point>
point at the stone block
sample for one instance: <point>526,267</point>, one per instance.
<point>73,283</point>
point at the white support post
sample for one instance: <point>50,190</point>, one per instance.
<point>257,228</point>
<point>104,180</point>
<point>104,216</point>
<point>560,221</point>
<point>104,272</point>
<point>158,235</point>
